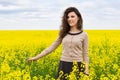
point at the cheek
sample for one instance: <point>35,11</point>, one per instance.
<point>75,20</point>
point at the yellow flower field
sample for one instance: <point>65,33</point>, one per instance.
<point>17,45</point>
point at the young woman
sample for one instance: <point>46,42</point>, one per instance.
<point>74,42</point>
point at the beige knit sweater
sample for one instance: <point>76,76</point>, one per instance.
<point>74,45</point>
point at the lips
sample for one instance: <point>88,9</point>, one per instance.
<point>70,22</point>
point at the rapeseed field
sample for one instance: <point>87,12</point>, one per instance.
<point>17,45</point>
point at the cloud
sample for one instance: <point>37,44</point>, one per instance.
<point>8,8</point>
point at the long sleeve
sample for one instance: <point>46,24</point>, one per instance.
<point>49,49</point>
<point>85,49</point>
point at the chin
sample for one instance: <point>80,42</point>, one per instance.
<point>71,25</point>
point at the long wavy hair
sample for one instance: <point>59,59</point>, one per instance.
<point>65,27</point>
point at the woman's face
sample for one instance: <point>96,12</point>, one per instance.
<point>72,19</point>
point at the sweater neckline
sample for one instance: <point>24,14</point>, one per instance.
<point>75,33</point>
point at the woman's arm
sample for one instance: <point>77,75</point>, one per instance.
<point>48,50</point>
<point>85,54</point>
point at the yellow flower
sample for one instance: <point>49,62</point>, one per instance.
<point>5,67</point>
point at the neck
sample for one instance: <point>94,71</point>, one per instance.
<point>74,29</point>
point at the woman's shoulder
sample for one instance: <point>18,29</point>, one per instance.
<point>85,33</point>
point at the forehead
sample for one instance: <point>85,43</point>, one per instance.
<point>71,13</point>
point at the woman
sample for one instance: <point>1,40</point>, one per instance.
<point>74,42</point>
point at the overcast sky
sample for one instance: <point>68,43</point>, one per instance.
<point>46,14</point>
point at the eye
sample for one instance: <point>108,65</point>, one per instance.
<point>72,16</point>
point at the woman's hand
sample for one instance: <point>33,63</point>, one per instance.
<point>86,72</point>
<point>30,60</point>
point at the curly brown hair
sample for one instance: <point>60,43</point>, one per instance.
<point>64,28</point>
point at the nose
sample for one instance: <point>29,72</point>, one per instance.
<point>69,18</point>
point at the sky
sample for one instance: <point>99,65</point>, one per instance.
<point>47,14</point>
